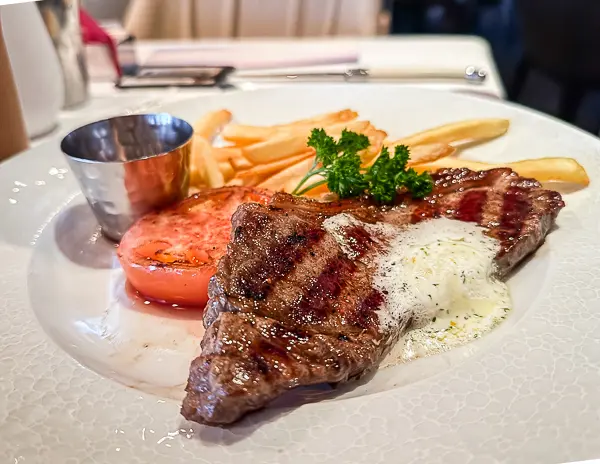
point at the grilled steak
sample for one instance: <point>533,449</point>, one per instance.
<point>289,307</point>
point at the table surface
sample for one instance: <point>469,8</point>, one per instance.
<point>398,52</point>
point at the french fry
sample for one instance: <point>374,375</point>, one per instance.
<point>226,153</point>
<point>275,149</point>
<point>236,182</point>
<point>211,123</point>
<point>197,170</point>
<point>238,145</point>
<point>420,154</point>
<point>542,169</point>
<point>360,127</point>
<point>260,173</point>
<point>286,180</point>
<point>248,181</point>
<point>323,119</point>
<point>240,163</point>
<point>204,168</point>
<point>277,157</point>
<point>458,133</point>
<point>244,135</point>
<point>329,125</point>
<point>318,192</point>
<point>376,138</point>
<point>233,156</point>
<point>226,169</point>
<point>284,146</point>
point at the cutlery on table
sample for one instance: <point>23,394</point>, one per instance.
<point>470,74</point>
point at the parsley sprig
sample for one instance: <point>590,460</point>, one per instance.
<point>339,163</point>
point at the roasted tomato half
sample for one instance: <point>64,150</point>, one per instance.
<point>169,256</point>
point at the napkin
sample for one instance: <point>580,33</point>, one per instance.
<point>249,56</point>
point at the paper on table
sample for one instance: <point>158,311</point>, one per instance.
<point>250,57</point>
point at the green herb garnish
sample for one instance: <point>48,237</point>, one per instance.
<point>339,163</point>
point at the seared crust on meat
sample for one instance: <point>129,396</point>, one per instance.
<point>288,308</point>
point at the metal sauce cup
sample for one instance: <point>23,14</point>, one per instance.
<point>128,166</point>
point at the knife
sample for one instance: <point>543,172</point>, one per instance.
<point>471,74</point>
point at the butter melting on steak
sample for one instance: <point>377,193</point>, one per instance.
<point>289,308</point>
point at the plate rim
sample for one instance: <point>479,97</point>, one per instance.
<point>310,410</point>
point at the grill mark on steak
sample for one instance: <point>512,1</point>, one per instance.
<point>277,260</point>
<point>275,326</point>
<point>427,209</point>
<point>313,305</point>
<point>515,208</point>
<point>365,316</point>
<point>359,240</point>
<point>492,209</point>
<point>470,208</point>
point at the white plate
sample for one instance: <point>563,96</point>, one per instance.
<point>528,392</point>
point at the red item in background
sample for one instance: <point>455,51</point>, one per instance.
<point>92,33</point>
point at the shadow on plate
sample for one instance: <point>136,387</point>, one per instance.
<point>79,238</point>
<point>279,408</point>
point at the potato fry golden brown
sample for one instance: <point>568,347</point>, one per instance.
<point>542,169</point>
<point>420,154</point>
<point>376,138</point>
<point>234,156</point>
<point>247,181</point>
<point>318,192</point>
<point>235,181</point>
<point>226,169</point>
<point>204,168</point>
<point>262,171</point>
<point>323,119</point>
<point>277,157</point>
<point>211,123</point>
<point>226,153</point>
<point>240,163</point>
<point>274,149</point>
<point>243,134</point>
<point>286,180</point>
<point>284,146</point>
<point>458,133</point>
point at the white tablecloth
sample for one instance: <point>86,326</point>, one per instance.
<point>402,52</point>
